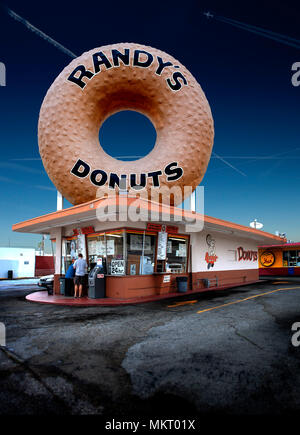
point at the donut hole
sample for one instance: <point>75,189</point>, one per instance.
<point>127,135</point>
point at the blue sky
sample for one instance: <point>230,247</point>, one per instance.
<point>246,78</point>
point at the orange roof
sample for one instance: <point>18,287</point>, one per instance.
<point>88,209</point>
<point>283,245</point>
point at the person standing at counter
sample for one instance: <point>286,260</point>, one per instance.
<point>80,267</point>
<point>71,271</point>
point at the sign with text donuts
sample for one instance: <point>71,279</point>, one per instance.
<point>119,77</point>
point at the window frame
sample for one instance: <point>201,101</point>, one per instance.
<point>144,232</point>
<point>287,251</point>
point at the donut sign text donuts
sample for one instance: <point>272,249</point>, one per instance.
<point>118,77</point>
<point>99,177</point>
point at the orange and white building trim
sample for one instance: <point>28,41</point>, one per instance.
<point>220,255</point>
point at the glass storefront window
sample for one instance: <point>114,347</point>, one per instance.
<point>140,253</point>
<point>96,248</point>
<point>115,259</point>
<point>176,261</point>
<point>110,247</point>
<point>132,252</point>
<point>291,258</point>
<point>69,252</point>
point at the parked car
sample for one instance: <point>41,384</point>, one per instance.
<point>47,282</point>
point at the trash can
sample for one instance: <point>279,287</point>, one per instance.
<point>181,283</point>
<point>62,285</point>
<point>10,274</point>
<point>69,287</point>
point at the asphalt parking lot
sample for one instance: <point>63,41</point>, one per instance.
<point>228,352</point>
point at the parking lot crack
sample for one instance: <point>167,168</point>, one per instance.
<point>23,364</point>
<point>245,338</point>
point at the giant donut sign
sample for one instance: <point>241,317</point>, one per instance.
<point>107,80</point>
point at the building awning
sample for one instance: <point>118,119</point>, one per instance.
<point>87,212</point>
<point>282,245</point>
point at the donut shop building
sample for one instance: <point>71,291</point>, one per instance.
<point>143,258</point>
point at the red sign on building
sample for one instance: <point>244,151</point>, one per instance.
<point>158,227</point>
<point>246,255</point>
<point>84,230</point>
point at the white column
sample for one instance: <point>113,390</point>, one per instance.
<point>58,236</point>
<point>60,201</point>
<point>193,201</point>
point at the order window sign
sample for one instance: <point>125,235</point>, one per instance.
<point>117,267</point>
<point>2,334</point>
<point>162,245</point>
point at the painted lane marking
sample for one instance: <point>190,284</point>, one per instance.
<point>179,304</point>
<point>280,282</point>
<point>246,299</point>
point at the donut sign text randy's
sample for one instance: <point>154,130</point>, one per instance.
<point>139,58</point>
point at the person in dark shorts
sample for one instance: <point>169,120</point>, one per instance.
<point>80,267</point>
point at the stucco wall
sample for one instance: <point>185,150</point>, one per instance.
<point>225,249</point>
<point>20,260</point>
<point>226,245</point>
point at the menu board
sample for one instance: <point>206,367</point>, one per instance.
<point>182,250</point>
<point>92,247</point>
<point>100,248</point>
<point>110,247</point>
<point>136,243</point>
<point>162,246</point>
<point>81,244</point>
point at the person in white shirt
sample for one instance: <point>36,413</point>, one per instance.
<point>80,267</point>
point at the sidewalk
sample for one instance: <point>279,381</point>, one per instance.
<point>15,282</point>
<point>42,297</point>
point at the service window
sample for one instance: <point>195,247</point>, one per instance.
<point>291,258</point>
<point>69,252</point>
<point>140,253</point>
<point>115,260</point>
<point>177,254</point>
<point>96,248</point>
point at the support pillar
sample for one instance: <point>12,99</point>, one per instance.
<point>60,201</point>
<point>57,233</point>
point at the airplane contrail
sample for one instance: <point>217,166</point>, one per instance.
<point>213,154</point>
<point>56,44</point>
<point>37,31</point>
<point>228,164</point>
<point>140,157</point>
<point>278,37</point>
<point>260,29</point>
<point>261,32</point>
